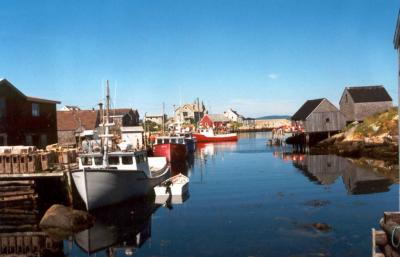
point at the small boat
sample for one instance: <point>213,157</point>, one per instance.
<point>176,185</point>
<point>171,147</point>
<point>109,177</point>
<point>207,135</point>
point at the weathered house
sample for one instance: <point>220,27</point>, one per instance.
<point>124,117</point>
<point>158,119</point>
<point>190,112</point>
<point>70,124</point>
<point>214,121</point>
<point>319,115</point>
<point>234,116</point>
<point>26,120</point>
<point>357,103</point>
<point>249,122</point>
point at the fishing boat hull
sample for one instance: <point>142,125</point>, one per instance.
<point>173,152</point>
<point>215,138</point>
<point>102,187</point>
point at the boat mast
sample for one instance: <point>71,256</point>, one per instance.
<point>106,125</point>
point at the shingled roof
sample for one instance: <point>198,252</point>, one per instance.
<point>5,82</point>
<point>369,94</point>
<point>306,109</point>
<point>72,120</point>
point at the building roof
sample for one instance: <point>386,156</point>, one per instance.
<point>396,40</point>
<point>218,118</point>
<point>306,109</point>
<point>5,82</point>
<point>121,111</point>
<point>369,94</point>
<point>72,120</point>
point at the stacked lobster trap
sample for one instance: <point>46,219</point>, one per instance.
<point>27,159</point>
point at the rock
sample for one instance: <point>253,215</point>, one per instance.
<point>322,226</point>
<point>62,220</point>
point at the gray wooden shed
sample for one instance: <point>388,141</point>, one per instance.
<point>357,103</point>
<point>319,115</point>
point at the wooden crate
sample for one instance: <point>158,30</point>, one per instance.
<point>44,161</point>
<point>2,168</point>
<point>34,164</point>
<point>7,164</point>
<point>15,158</point>
<point>23,163</point>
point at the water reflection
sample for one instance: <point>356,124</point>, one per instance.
<point>206,151</point>
<point>119,229</point>
<point>20,234</point>
<point>326,169</point>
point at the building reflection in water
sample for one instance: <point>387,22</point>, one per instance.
<point>208,151</point>
<point>122,228</point>
<point>326,169</point>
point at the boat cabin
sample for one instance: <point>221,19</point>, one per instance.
<point>170,140</point>
<point>117,160</point>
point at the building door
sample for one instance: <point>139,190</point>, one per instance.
<point>3,139</point>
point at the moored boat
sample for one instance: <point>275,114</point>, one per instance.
<point>207,135</point>
<point>110,177</point>
<point>171,147</point>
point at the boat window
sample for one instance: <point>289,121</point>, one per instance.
<point>159,141</point>
<point>113,160</point>
<point>98,160</point>
<point>173,140</point>
<point>180,140</point>
<point>166,141</point>
<point>127,160</point>
<point>86,161</point>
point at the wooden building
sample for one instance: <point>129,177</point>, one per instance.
<point>189,113</point>
<point>26,120</point>
<point>70,124</point>
<point>214,121</point>
<point>357,103</point>
<point>318,115</point>
<point>126,117</point>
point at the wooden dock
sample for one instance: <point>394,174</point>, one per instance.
<point>32,176</point>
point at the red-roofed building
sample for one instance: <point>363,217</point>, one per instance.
<point>214,121</point>
<point>26,120</point>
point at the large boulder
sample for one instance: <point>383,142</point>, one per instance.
<point>61,221</point>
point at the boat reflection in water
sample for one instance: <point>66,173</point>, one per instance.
<point>326,169</point>
<point>123,228</point>
<point>205,151</point>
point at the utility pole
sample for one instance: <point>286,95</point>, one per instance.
<point>163,121</point>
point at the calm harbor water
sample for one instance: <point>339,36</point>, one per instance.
<point>249,199</point>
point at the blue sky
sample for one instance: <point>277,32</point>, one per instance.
<point>258,57</point>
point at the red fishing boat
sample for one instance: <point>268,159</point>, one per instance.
<point>207,135</point>
<point>171,147</point>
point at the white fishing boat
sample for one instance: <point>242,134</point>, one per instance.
<point>110,177</point>
<point>176,185</point>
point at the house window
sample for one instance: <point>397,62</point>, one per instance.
<point>345,97</point>
<point>2,108</point>
<point>327,120</point>
<point>185,114</point>
<point>35,110</point>
<point>43,141</point>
